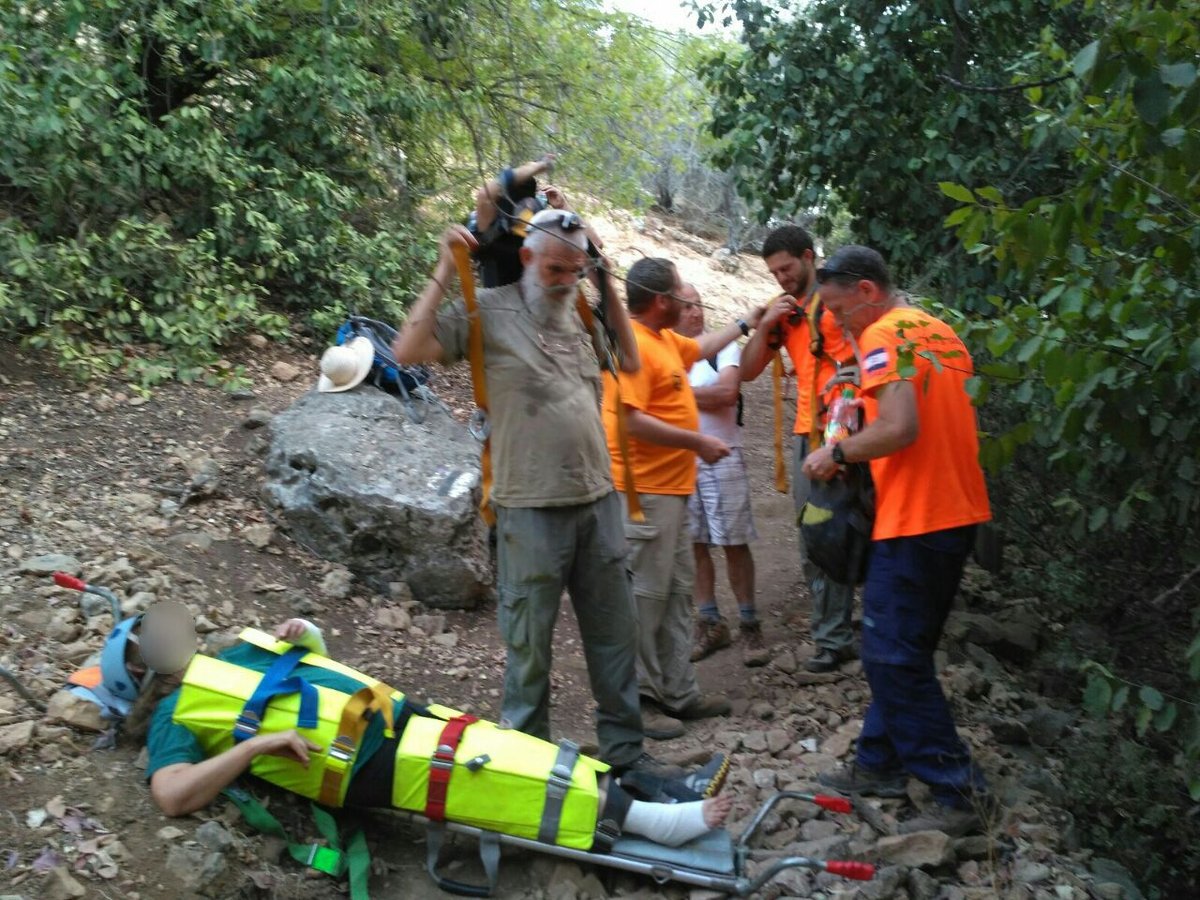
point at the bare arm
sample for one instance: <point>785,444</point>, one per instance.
<point>721,395</point>
<point>486,196</point>
<point>645,427</point>
<point>617,317</point>
<point>895,427</point>
<point>416,342</point>
<point>756,354</point>
<point>186,787</point>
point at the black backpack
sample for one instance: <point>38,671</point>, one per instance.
<point>836,523</point>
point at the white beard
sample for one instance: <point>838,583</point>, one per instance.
<point>550,306</point>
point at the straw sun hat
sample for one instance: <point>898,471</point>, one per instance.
<point>345,366</point>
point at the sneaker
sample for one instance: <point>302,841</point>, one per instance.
<point>651,766</point>
<point>826,660</point>
<point>854,779</point>
<point>754,649</point>
<point>698,784</point>
<point>710,637</point>
<point>706,706</point>
<point>658,726</point>
<point>708,780</point>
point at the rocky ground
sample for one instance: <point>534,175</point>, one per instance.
<point>161,497</point>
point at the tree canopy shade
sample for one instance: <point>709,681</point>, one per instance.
<point>866,106</point>
<point>175,170</point>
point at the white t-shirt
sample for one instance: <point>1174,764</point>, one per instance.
<point>721,423</point>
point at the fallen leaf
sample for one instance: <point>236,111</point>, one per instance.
<point>46,860</point>
<point>56,807</point>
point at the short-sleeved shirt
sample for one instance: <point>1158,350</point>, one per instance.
<point>170,742</point>
<point>936,482</point>
<point>660,388</point>
<point>720,423</point>
<point>543,386</point>
<point>836,347</point>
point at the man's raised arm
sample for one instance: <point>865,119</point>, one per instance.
<point>417,342</point>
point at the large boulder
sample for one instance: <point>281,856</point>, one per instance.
<point>352,477</point>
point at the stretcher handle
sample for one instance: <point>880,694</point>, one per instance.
<point>833,804</point>
<point>70,582</point>
<point>859,871</point>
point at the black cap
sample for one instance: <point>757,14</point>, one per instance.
<point>856,261</point>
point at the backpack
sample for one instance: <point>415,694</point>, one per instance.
<point>836,524</point>
<point>712,361</point>
<point>405,382</point>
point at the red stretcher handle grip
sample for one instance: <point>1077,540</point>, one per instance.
<point>62,579</point>
<point>859,871</point>
<point>833,804</point>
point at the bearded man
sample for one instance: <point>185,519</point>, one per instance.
<point>559,522</point>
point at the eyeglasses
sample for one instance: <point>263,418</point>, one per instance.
<point>569,221</point>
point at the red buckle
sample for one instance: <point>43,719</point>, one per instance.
<point>441,766</point>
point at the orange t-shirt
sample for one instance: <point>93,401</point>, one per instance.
<point>796,340</point>
<point>935,482</point>
<point>660,389</point>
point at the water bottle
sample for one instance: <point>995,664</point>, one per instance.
<point>843,417</point>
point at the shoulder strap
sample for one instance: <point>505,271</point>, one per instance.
<point>462,262</point>
<point>332,860</point>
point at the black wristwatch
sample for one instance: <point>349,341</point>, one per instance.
<point>838,454</point>
<point>743,327</point>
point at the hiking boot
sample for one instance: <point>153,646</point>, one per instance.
<point>754,649</point>
<point>651,766</point>
<point>826,660</point>
<point>658,726</point>
<point>706,706</point>
<point>710,637</point>
<point>708,780</point>
<point>947,819</point>
<point>854,779</point>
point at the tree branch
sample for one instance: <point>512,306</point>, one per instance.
<point>1002,89</point>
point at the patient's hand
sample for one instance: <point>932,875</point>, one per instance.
<point>291,630</point>
<point>287,745</point>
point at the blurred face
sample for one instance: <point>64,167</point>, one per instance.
<point>691,320</point>
<point>555,268</point>
<point>854,304</point>
<point>674,306</point>
<point>793,274</point>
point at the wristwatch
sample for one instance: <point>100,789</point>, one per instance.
<point>743,327</point>
<point>838,454</point>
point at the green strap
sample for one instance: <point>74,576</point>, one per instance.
<point>332,860</point>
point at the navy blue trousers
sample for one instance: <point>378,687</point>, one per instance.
<point>911,582</point>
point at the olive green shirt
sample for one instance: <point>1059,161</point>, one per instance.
<point>544,391</point>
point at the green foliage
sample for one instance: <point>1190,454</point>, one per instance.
<point>1120,801</point>
<point>171,166</point>
<point>867,106</point>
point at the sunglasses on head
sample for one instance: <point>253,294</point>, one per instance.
<point>569,221</point>
<point>825,275</point>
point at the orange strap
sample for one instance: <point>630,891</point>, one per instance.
<point>466,278</point>
<point>781,478</point>
<point>631,495</point>
<point>340,756</point>
<point>88,678</point>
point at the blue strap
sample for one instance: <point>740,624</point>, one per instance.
<point>276,681</point>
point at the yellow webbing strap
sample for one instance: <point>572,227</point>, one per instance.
<point>781,478</point>
<point>631,495</point>
<point>815,432</point>
<point>466,278</point>
<point>339,758</point>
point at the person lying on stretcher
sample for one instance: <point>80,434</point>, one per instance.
<point>279,708</point>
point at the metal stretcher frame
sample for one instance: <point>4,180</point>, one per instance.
<point>731,877</point>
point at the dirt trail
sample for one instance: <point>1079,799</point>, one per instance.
<point>95,472</point>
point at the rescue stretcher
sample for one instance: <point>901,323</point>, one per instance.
<point>715,860</point>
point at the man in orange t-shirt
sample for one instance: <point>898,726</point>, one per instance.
<point>923,446</point>
<point>664,440</point>
<point>788,253</point>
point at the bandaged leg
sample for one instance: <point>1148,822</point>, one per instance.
<point>670,824</point>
